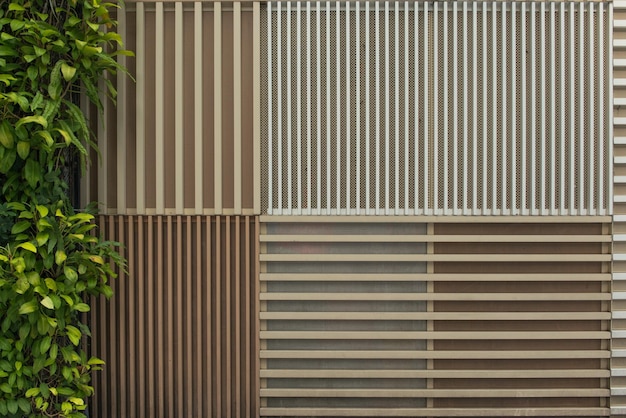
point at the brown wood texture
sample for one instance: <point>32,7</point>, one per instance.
<point>179,336</point>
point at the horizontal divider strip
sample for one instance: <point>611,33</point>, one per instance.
<point>324,257</point>
<point>435,412</point>
<point>435,238</point>
<point>439,354</point>
<point>435,335</point>
<point>437,277</point>
<point>435,393</point>
<point>440,374</point>
<point>551,219</point>
<point>436,316</point>
<point>436,296</point>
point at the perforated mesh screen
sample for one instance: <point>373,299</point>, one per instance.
<point>445,108</point>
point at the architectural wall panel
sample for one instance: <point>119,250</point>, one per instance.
<point>434,316</point>
<point>182,139</point>
<point>180,335</point>
<point>445,108</point>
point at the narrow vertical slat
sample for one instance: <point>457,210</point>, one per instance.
<point>427,178</point>
<point>256,75</point>
<point>202,326</point>
<point>416,128</point>
<point>249,310</point>
<point>179,301</point>
<point>288,111</point>
<point>198,108</point>
<point>553,125</point>
<point>192,379</point>
<point>475,144</point>
<point>514,52</point>
<point>118,327</point>
<point>169,321</point>
<point>140,107</point>
<point>279,111</point>
<point>485,109</point>
<point>159,117</point>
<point>318,60</point>
<point>237,349</point>
<point>210,349</point>
<point>338,96</point>
<point>299,107</point>
<point>367,110</point>
<point>257,325</point>
<point>572,118</point>
<point>378,110</point>
<point>348,192</point>
<point>464,118</point>
<point>328,111</point>
<point>599,186</point>
<point>455,109</point>
<point>503,116</point>
<point>142,356</point>
<point>609,117</point>
<point>152,336</point>
<point>581,110</point>
<point>445,139</point>
<point>105,378</point>
<point>523,106</point>
<point>357,101</point>
<point>563,155</point>
<point>407,51</point>
<point>217,105</point>
<point>217,312</point>
<point>237,103</point>
<point>533,106</point>
<point>396,99</point>
<point>132,311</point>
<point>542,186</point>
<point>270,119</point>
<point>228,331</point>
<point>436,178</point>
<point>387,99</point>
<point>179,138</point>
<point>591,110</point>
<point>493,205</point>
<point>160,331</point>
<point>121,121</point>
<point>309,132</point>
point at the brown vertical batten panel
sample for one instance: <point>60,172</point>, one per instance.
<point>182,159</point>
<point>193,352</point>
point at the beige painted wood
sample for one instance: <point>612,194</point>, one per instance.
<point>436,412</point>
<point>436,238</point>
<point>437,277</point>
<point>436,316</point>
<point>447,374</point>
<point>437,219</point>
<point>461,296</point>
<point>473,258</point>
<point>435,335</point>
<point>434,393</point>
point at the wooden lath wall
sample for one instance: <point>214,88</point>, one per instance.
<point>434,316</point>
<point>184,136</point>
<point>179,336</point>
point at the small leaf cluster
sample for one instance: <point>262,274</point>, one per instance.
<point>53,261</point>
<point>50,51</point>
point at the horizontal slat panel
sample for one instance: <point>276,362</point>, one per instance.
<point>436,296</point>
<point>444,374</point>
<point>437,238</point>
<point>478,258</point>
<point>437,316</point>
<point>435,335</point>
<point>436,412</point>
<point>437,277</point>
<point>440,354</point>
<point>435,393</point>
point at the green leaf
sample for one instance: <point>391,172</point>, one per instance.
<point>32,119</point>
<point>45,344</point>
<point>32,172</point>
<point>7,159</point>
<point>68,72</point>
<point>60,257</point>
<point>23,149</point>
<point>6,79</point>
<point>24,405</point>
<point>7,51</point>
<point>6,135</point>
<point>28,307</point>
<point>20,227</point>
<point>28,246</point>
<point>76,401</point>
<point>70,273</point>
<point>12,406</point>
<point>55,87</point>
<point>42,238</point>
<point>47,302</point>
<point>96,259</point>
<point>16,7</point>
<point>51,284</point>
<point>32,392</point>
<point>82,307</point>
<point>43,211</point>
<point>32,72</point>
<point>95,361</point>
<point>6,388</point>
<point>73,334</point>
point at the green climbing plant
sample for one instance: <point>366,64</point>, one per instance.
<point>51,259</point>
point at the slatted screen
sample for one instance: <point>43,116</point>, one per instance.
<point>399,316</point>
<point>179,337</point>
<point>435,108</point>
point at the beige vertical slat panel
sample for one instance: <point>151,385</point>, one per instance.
<point>179,334</point>
<point>487,335</point>
<point>188,137</point>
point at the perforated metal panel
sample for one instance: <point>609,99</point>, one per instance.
<point>470,108</point>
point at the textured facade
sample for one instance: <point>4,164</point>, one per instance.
<point>365,209</point>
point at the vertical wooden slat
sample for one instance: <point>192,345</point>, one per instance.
<point>248,312</point>
<point>159,110</point>
<point>256,17</point>
<point>367,108</point>
<point>198,109</point>
<point>227,313</point>
<point>140,81</point>
<point>169,303</point>
<point>211,330</point>
<point>121,121</point>
<point>217,104</point>
<point>178,112</point>
<point>150,320</point>
<point>217,342</point>
<point>177,300</point>
<point>237,103</point>
<point>132,310</point>
<point>115,363</point>
<point>504,204</point>
<point>192,380</point>
<point>141,318</point>
<point>445,141</point>
<point>237,349</point>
